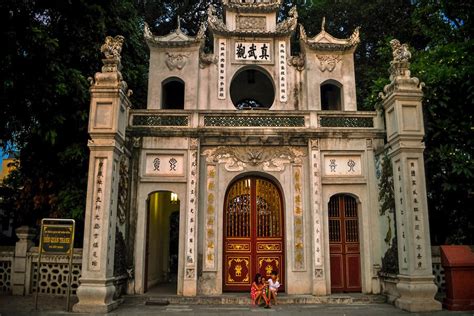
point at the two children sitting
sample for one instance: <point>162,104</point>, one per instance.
<point>266,290</point>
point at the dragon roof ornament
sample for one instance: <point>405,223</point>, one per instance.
<point>326,42</point>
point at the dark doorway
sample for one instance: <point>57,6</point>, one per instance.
<point>172,94</point>
<point>331,96</point>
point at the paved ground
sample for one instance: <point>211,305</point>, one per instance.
<point>17,305</point>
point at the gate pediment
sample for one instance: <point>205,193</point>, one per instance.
<point>238,158</point>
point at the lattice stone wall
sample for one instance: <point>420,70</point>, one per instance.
<point>5,276</point>
<point>54,278</point>
<point>438,272</point>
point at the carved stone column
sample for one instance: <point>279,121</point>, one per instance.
<point>319,281</point>
<point>107,122</point>
<point>405,131</point>
<point>190,266</point>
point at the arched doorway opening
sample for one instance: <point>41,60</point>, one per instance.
<point>253,233</point>
<point>344,244</point>
<point>252,88</point>
<point>162,242</point>
<point>172,94</point>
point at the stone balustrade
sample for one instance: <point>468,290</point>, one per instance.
<point>255,119</point>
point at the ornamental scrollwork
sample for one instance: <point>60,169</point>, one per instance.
<point>238,158</point>
<point>328,62</point>
<point>123,190</point>
<point>297,61</point>
<point>176,60</point>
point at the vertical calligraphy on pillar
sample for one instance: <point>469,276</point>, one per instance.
<point>401,213</point>
<point>210,232</point>
<point>315,160</point>
<point>221,82</point>
<point>97,214</point>
<point>298,238</point>
<point>192,209</point>
<point>282,71</point>
<point>417,215</point>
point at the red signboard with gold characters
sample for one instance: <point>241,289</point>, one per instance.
<point>253,233</point>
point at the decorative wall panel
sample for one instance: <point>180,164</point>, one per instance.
<point>345,121</point>
<point>298,222</point>
<point>191,217</point>
<point>315,161</point>
<point>401,216</point>
<point>417,214</point>
<point>164,165</point>
<point>221,67</point>
<point>210,236</point>
<point>5,276</point>
<point>95,239</point>
<point>342,165</point>
<point>254,51</point>
<point>282,74</point>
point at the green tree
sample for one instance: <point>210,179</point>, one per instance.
<point>446,65</point>
<point>51,49</point>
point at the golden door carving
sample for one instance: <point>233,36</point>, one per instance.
<point>253,225</point>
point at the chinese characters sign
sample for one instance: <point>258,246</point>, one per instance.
<point>164,165</point>
<point>342,166</point>
<point>282,70</point>
<point>252,51</point>
<point>222,70</point>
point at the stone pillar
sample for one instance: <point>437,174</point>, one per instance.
<point>319,280</point>
<point>26,235</point>
<point>107,122</point>
<point>404,119</point>
<point>190,266</point>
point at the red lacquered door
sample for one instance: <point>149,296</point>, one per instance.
<point>344,244</point>
<point>253,233</point>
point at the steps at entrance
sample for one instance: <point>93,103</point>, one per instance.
<point>239,299</point>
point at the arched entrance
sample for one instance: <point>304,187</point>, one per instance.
<point>253,233</point>
<point>344,244</point>
<point>161,266</point>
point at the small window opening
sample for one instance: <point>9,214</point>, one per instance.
<point>172,95</point>
<point>331,97</point>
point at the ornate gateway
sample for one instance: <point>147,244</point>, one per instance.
<point>253,233</point>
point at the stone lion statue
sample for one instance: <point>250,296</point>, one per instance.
<point>112,46</point>
<point>400,51</point>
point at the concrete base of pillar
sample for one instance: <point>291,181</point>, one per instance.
<point>417,294</point>
<point>96,297</point>
<point>319,287</point>
<point>189,287</point>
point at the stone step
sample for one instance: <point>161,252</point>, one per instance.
<point>283,299</point>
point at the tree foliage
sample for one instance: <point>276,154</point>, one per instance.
<point>51,49</point>
<point>53,46</point>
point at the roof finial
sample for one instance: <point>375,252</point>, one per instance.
<point>179,23</point>
<point>323,24</point>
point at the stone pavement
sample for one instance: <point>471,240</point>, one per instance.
<point>135,305</point>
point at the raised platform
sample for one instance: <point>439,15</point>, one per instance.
<point>244,299</point>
